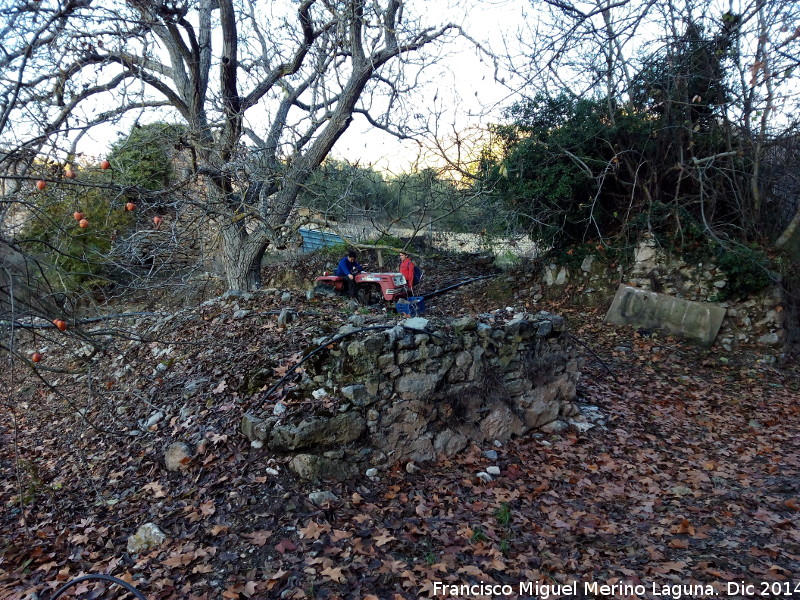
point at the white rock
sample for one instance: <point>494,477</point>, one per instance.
<point>320,393</point>
<point>152,420</point>
<point>415,323</point>
<point>279,409</point>
<point>412,468</point>
<point>147,537</point>
<point>770,339</point>
<point>177,456</point>
<point>321,498</point>
<point>271,471</point>
<point>493,470</point>
<point>581,426</point>
<point>483,476</point>
<point>372,472</point>
<point>256,444</point>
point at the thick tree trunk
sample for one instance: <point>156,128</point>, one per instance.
<point>241,255</point>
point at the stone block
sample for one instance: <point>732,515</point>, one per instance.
<point>358,395</point>
<point>697,321</point>
<point>464,324</point>
<point>540,413</point>
<point>375,344</point>
<point>448,443</point>
<point>313,468</point>
<point>384,360</point>
<point>255,428</point>
<point>421,448</point>
<point>407,356</point>
<point>414,385</point>
<point>463,359</point>
<point>317,431</point>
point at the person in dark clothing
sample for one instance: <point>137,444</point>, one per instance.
<point>348,268</point>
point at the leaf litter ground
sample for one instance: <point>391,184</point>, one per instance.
<point>692,477</point>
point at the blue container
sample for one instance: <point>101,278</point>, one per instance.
<point>413,306</point>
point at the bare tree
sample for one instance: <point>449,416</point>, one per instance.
<point>607,48</point>
<point>264,90</point>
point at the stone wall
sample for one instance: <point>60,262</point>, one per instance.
<point>759,319</point>
<point>421,391</point>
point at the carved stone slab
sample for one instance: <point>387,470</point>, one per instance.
<point>697,321</point>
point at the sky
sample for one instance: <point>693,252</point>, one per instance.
<point>463,84</point>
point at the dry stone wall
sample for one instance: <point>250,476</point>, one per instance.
<point>421,391</point>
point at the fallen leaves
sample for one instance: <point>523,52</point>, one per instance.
<point>313,530</point>
<point>693,476</point>
<point>285,545</point>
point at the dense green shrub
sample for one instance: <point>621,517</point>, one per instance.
<point>748,269</point>
<point>143,158</point>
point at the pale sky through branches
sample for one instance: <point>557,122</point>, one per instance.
<point>458,93</point>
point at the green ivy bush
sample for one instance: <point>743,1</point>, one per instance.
<point>747,268</point>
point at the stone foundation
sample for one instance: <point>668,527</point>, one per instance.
<point>404,394</point>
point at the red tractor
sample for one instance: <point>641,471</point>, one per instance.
<point>370,287</point>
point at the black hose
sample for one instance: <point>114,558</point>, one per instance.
<point>99,577</point>
<point>455,285</point>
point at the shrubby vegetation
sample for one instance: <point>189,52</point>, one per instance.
<point>413,200</point>
<point>144,157</point>
<point>75,258</point>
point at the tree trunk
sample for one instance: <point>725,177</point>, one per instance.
<point>242,254</point>
<point>788,232</point>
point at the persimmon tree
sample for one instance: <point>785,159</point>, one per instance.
<point>262,90</point>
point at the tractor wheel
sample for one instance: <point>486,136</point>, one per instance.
<point>368,294</point>
<point>324,290</point>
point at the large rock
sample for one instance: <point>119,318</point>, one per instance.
<point>317,431</point>
<point>541,406</point>
<point>500,424</point>
<point>254,428</point>
<point>358,395</point>
<point>416,385</point>
<point>448,443</point>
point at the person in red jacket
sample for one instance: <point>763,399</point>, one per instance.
<point>407,269</point>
